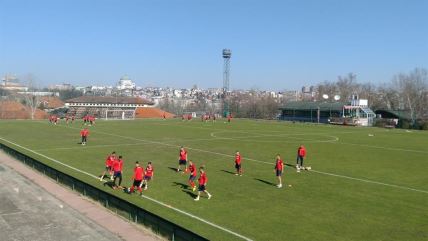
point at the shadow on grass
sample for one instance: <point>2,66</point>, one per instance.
<point>182,185</point>
<point>290,165</point>
<point>265,182</point>
<point>109,184</point>
<point>228,172</point>
<point>172,168</point>
<point>190,193</point>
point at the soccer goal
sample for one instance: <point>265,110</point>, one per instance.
<point>120,114</point>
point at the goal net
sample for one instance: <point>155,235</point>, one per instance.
<point>119,114</point>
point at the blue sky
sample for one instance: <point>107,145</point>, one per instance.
<point>275,45</point>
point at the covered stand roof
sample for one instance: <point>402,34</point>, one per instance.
<point>306,105</point>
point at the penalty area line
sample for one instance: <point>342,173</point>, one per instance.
<point>146,197</point>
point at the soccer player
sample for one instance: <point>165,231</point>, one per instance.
<point>238,164</point>
<point>148,176</point>
<point>229,118</point>
<point>117,168</point>
<point>279,168</point>
<point>72,118</point>
<point>109,161</point>
<point>193,174</point>
<point>182,161</point>
<point>202,180</point>
<point>138,178</point>
<point>301,153</point>
<point>84,134</point>
<point>66,119</point>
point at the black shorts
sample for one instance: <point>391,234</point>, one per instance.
<point>182,162</point>
<point>237,166</point>
<point>192,178</point>
<point>201,188</point>
<point>278,173</point>
<point>108,168</point>
<point>117,174</point>
<point>147,178</point>
<point>136,183</point>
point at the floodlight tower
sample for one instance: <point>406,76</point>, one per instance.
<point>226,84</point>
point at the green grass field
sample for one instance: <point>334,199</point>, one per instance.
<point>366,183</point>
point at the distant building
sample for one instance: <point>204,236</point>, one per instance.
<point>126,86</point>
<point>10,82</point>
<point>61,87</point>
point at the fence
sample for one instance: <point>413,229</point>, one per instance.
<point>122,207</point>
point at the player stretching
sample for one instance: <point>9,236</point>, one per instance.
<point>279,168</point>
<point>84,134</point>
<point>148,176</point>
<point>109,162</point>
<point>238,164</point>
<point>183,160</point>
<point>193,174</point>
<point>301,153</point>
<point>117,168</point>
<point>137,177</point>
<point>202,184</point>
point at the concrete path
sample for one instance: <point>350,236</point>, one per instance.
<point>34,207</point>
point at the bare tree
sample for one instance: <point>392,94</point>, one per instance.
<point>31,99</point>
<point>412,89</point>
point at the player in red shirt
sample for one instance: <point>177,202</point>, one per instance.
<point>91,120</point>
<point>202,180</point>
<point>117,169</point>
<point>138,178</point>
<point>279,168</point>
<point>84,134</point>
<point>182,161</point>
<point>238,164</point>
<point>66,119</point>
<point>148,176</point>
<point>72,118</point>
<point>229,118</point>
<point>301,153</point>
<point>193,174</point>
<point>108,165</point>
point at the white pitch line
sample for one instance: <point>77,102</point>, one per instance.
<point>85,147</point>
<point>270,163</point>
<point>369,181</point>
<point>146,197</point>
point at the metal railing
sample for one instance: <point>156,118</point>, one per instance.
<point>130,211</point>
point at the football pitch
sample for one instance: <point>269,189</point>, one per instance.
<point>365,183</point>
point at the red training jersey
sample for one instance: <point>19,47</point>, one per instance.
<point>138,173</point>
<point>84,132</point>
<point>238,159</point>
<point>109,160</point>
<point>149,171</point>
<point>279,165</point>
<point>117,165</point>
<point>203,179</point>
<point>183,155</point>
<point>192,169</point>
<point>302,152</point>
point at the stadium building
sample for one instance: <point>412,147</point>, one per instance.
<point>341,113</point>
<point>106,107</point>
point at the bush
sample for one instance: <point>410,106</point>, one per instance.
<point>404,124</point>
<point>424,125</point>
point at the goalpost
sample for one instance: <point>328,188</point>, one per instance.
<point>119,114</point>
